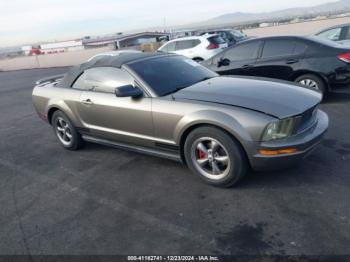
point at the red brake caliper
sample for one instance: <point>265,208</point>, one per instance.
<point>201,154</point>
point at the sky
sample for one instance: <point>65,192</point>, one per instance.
<point>30,21</point>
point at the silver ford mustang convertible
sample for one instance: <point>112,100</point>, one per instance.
<point>170,106</point>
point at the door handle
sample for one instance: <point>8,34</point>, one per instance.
<point>87,101</point>
<point>247,66</point>
<point>292,61</point>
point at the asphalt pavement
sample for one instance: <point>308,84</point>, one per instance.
<point>102,200</point>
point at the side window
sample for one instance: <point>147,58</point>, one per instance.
<point>103,79</point>
<point>170,47</point>
<point>332,34</point>
<point>196,42</point>
<point>184,44</point>
<point>80,82</point>
<point>243,51</point>
<point>273,48</point>
<point>229,36</point>
<point>347,34</point>
<point>223,35</point>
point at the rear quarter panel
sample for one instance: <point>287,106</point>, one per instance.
<point>321,58</point>
<point>328,67</point>
<point>46,97</point>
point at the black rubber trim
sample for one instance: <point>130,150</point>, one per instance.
<point>167,146</point>
<point>83,130</point>
<point>139,149</point>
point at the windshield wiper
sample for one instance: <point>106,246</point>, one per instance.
<point>204,79</point>
<point>175,90</point>
<point>185,86</point>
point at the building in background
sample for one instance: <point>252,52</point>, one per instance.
<point>11,52</point>
<point>27,49</point>
<point>61,47</point>
<point>126,41</point>
<point>145,41</point>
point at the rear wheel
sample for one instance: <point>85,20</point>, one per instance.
<point>312,81</point>
<point>215,156</point>
<point>66,132</point>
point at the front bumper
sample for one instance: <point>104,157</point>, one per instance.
<point>304,143</point>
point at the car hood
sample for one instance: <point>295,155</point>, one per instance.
<point>275,98</point>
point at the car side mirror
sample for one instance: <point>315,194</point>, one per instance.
<point>224,62</point>
<point>128,91</point>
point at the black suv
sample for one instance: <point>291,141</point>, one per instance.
<point>319,64</point>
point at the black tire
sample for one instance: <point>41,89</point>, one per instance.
<point>198,59</point>
<point>321,86</point>
<point>76,141</point>
<point>233,173</point>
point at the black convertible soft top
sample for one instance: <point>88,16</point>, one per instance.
<point>105,61</point>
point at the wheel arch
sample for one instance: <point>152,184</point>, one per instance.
<point>63,108</point>
<point>308,72</point>
<point>50,113</point>
<point>191,128</point>
<point>217,119</point>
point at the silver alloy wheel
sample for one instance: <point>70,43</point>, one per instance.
<point>310,83</point>
<point>210,158</point>
<point>63,131</point>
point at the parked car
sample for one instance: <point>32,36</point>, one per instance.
<point>313,62</point>
<point>198,48</point>
<point>231,36</point>
<point>338,33</point>
<point>170,106</point>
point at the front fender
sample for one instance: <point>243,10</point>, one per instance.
<point>215,118</point>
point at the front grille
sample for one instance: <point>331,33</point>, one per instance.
<point>307,119</point>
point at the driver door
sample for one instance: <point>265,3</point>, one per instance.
<point>122,119</point>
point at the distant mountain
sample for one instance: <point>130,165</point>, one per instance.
<point>238,17</point>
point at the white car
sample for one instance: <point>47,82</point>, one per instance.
<point>198,48</point>
<point>338,33</point>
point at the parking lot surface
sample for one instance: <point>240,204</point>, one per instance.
<point>101,200</point>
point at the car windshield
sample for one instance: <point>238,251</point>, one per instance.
<point>168,74</point>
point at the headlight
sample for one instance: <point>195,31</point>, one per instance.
<point>279,129</point>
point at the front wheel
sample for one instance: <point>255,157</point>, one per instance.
<point>65,131</point>
<point>215,156</point>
